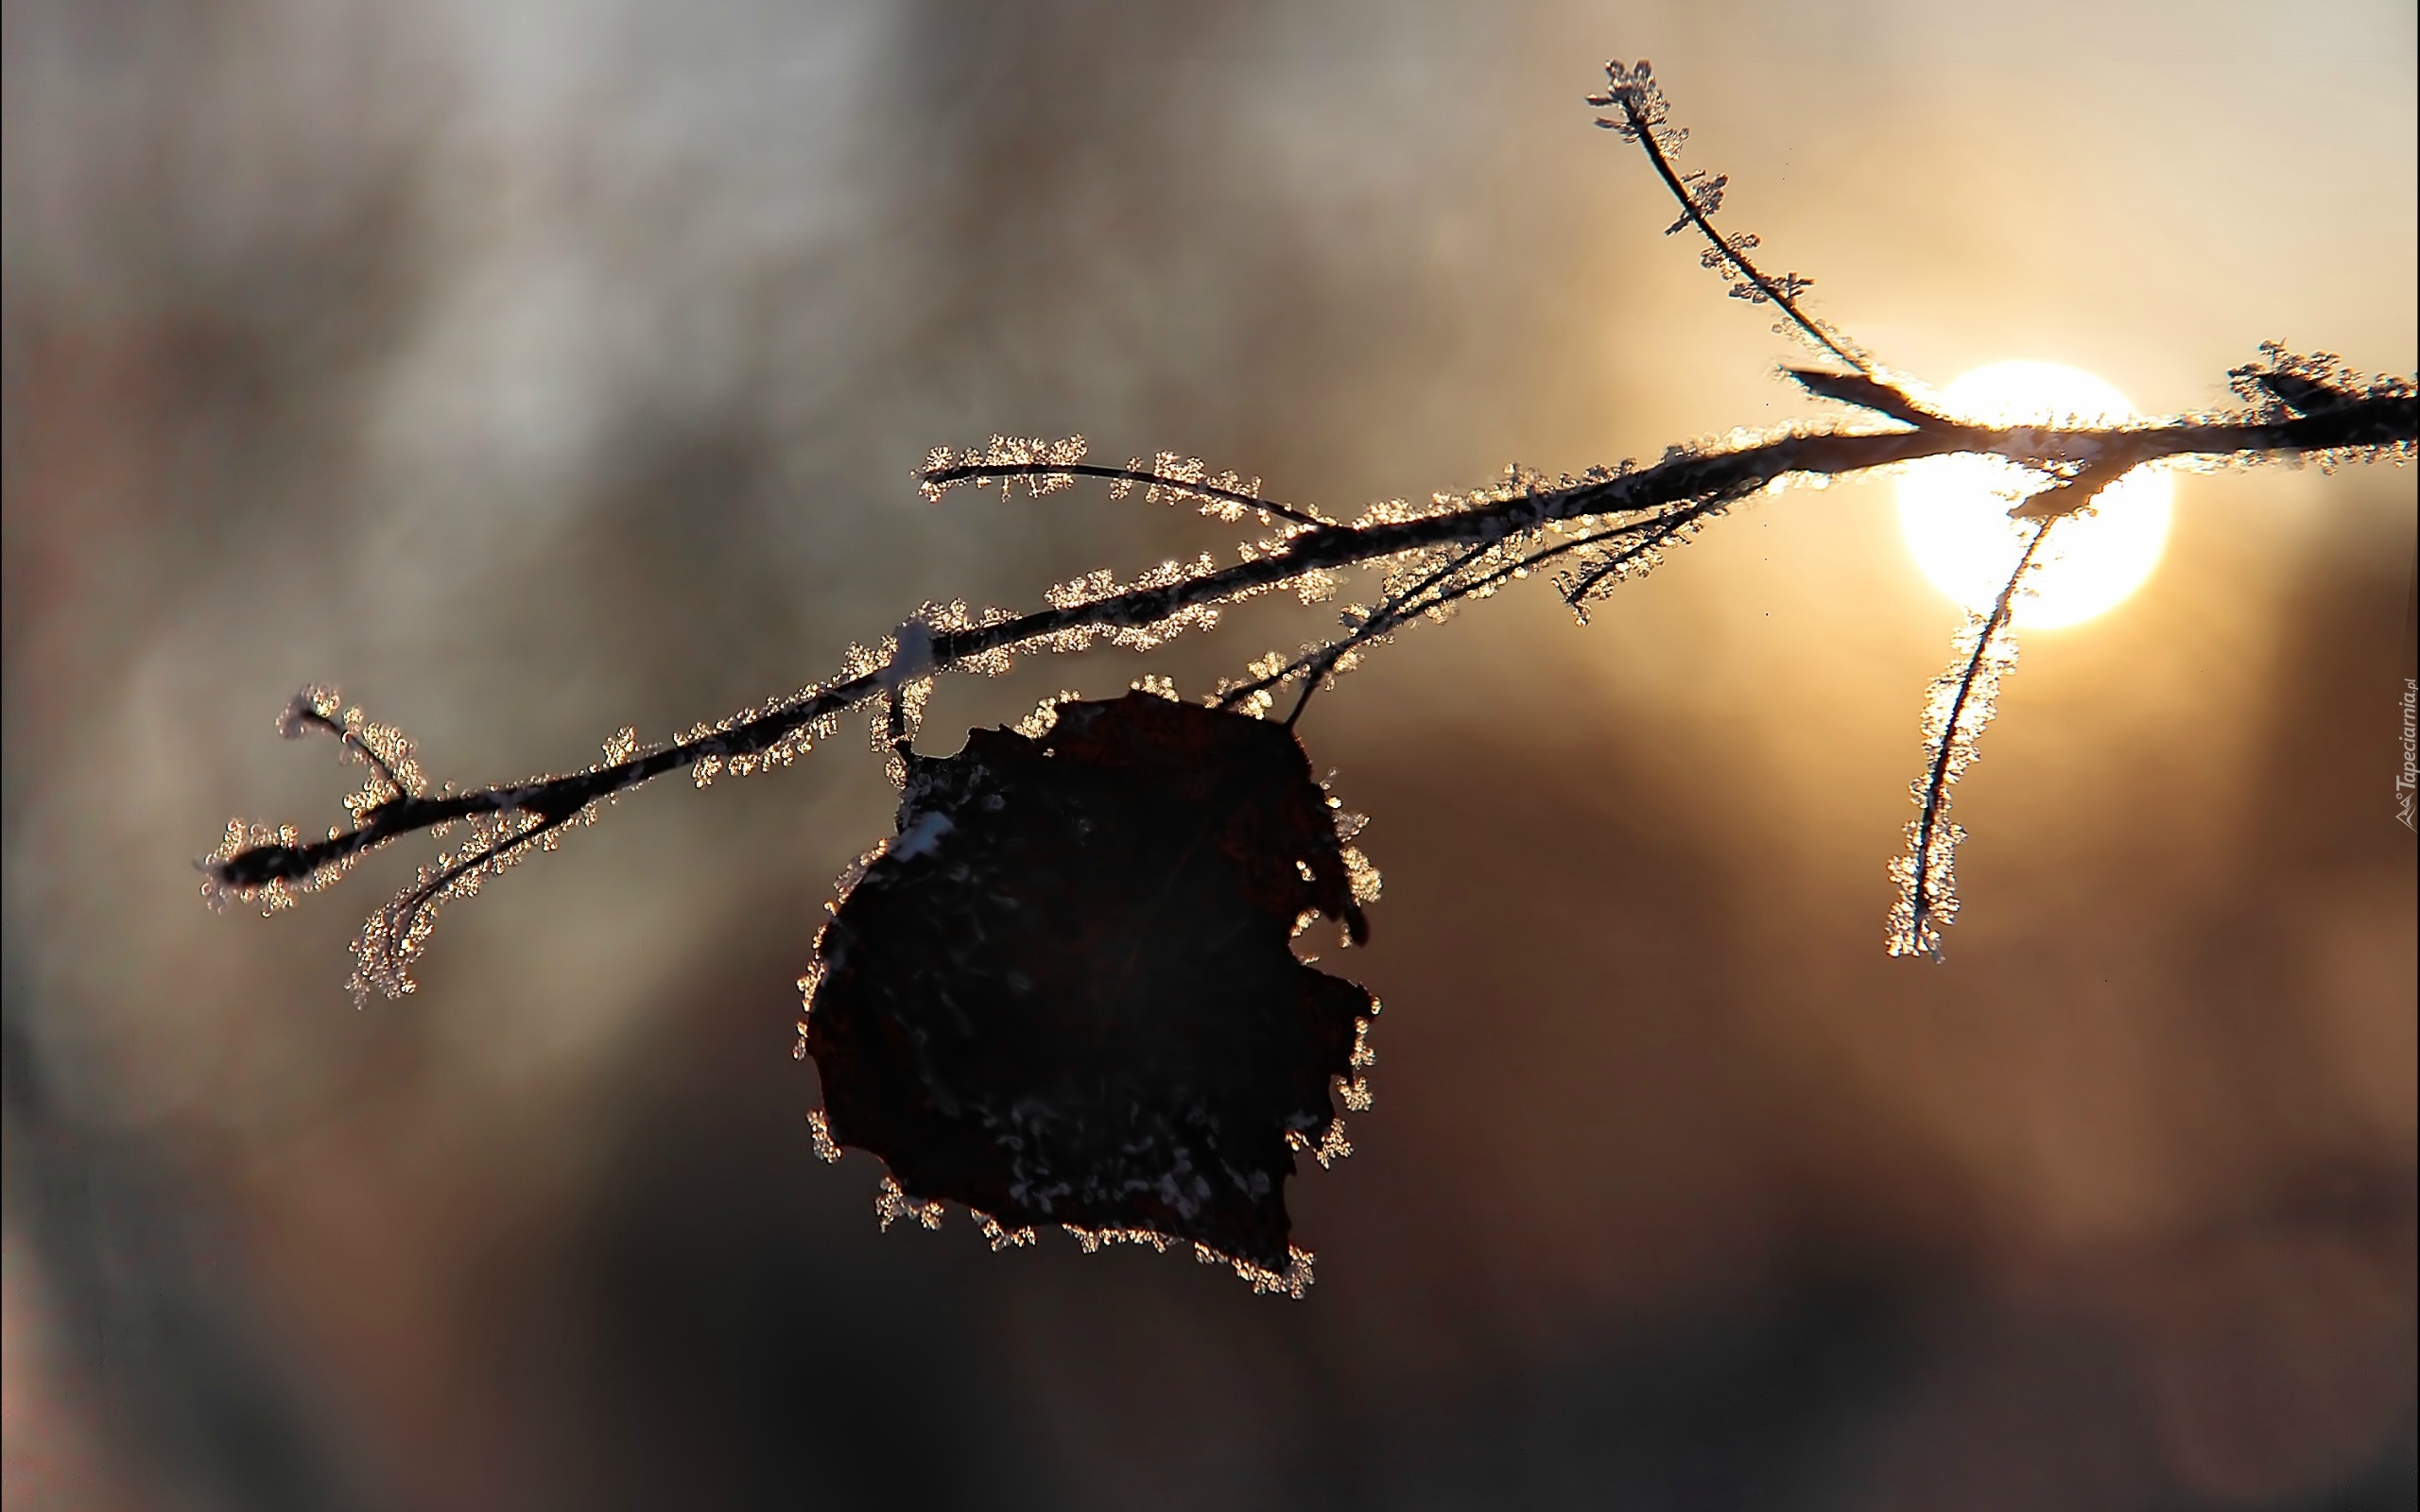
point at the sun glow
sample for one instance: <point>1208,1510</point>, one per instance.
<point>1954,509</point>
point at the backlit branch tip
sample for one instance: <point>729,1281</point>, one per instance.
<point>1641,117</point>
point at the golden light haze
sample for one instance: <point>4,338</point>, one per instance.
<point>1954,511</point>
<point>533,369</point>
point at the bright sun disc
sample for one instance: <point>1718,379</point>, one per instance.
<point>1954,509</point>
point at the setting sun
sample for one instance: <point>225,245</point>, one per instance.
<point>1954,509</point>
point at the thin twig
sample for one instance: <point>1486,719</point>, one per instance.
<point>1385,617</point>
<point>1642,130</point>
<point>301,712</point>
<point>406,911</point>
<point>1942,769</point>
<point>1419,599</point>
<point>980,472</point>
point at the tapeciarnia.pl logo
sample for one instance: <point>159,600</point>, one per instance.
<point>2405,779</point>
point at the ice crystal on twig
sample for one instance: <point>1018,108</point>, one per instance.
<point>274,895</point>
<point>1041,463</point>
<point>1959,704</point>
<point>1173,479</point>
<point>1048,465</point>
<point>382,749</point>
<point>1642,109</point>
<point>2284,385</point>
<point>394,777</point>
<point>1640,112</point>
<point>396,936</point>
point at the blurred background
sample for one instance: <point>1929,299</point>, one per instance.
<point>533,367</point>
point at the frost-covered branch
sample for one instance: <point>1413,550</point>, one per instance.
<point>1643,119</point>
<point>1047,467</point>
<point>1678,488</point>
<point>1964,700</point>
<point>1598,530</point>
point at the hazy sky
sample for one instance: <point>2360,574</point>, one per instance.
<point>534,368</point>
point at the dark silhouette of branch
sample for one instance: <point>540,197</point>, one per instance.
<point>1600,529</point>
<point>1678,484</point>
<point>1866,393</point>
